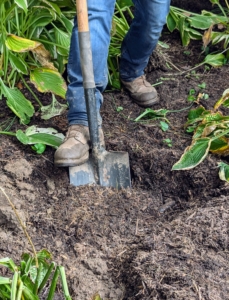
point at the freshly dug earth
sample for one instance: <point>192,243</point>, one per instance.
<point>166,237</point>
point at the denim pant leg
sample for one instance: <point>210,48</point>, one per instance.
<point>141,39</point>
<point>100,14</point>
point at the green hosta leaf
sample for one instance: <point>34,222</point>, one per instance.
<point>193,155</point>
<point>215,60</point>
<point>34,135</point>
<point>19,44</point>
<point>41,17</point>
<point>22,4</point>
<point>53,6</point>
<point>63,39</point>
<point>223,171</point>
<point>18,63</point>
<point>68,24</point>
<point>16,101</point>
<point>196,113</point>
<point>53,109</point>
<point>65,3</point>
<point>44,254</point>
<point>47,80</point>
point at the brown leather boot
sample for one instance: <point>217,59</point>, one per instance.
<point>141,91</point>
<point>74,150</point>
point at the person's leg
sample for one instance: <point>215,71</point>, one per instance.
<point>100,14</point>
<point>74,150</point>
<point>138,45</point>
<point>141,39</point>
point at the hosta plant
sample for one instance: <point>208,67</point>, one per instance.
<point>210,134</point>
<point>34,44</point>
<point>210,27</point>
<point>32,278</point>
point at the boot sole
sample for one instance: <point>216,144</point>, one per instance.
<point>145,104</point>
<point>71,162</point>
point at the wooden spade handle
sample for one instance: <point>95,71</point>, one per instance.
<point>82,15</point>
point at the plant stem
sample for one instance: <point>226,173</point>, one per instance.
<point>35,97</point>
<point>122,15</point>
<point>220,135</point>
<point>227,4</point>
<point>46,277</point>
<point>22,225</point>
<point>14,286</point>
<point>53,284</point>
<point>20,289</point>
<point>8,133</point>
<point>64,283</point>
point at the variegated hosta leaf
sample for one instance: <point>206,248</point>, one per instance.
<point>213,117</point>
<point>223,171</point>
<point>193,155</point>
<point>19,44</point>
<point>47,80</point>
<point>215,60</point>
<point>223,100</point>
<point>220,146</point>
<point>198,131</point>
<point>34,135</point>
<point>16,101</point>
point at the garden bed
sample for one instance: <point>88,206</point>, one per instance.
<point>166,237</point>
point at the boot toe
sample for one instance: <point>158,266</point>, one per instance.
<point>71,153</point>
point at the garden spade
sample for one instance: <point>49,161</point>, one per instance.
<point>106,168</point>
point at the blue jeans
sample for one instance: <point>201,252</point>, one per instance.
<point>138,45</point>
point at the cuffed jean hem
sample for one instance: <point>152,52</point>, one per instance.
<point>81,122</point>
<point>130,79</point>
<point>84,123</point>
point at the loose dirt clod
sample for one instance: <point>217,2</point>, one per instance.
<point>21,168</point>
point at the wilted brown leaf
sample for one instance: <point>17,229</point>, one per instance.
<point>207,36</point>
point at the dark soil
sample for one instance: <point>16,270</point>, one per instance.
<point>166,237</point>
